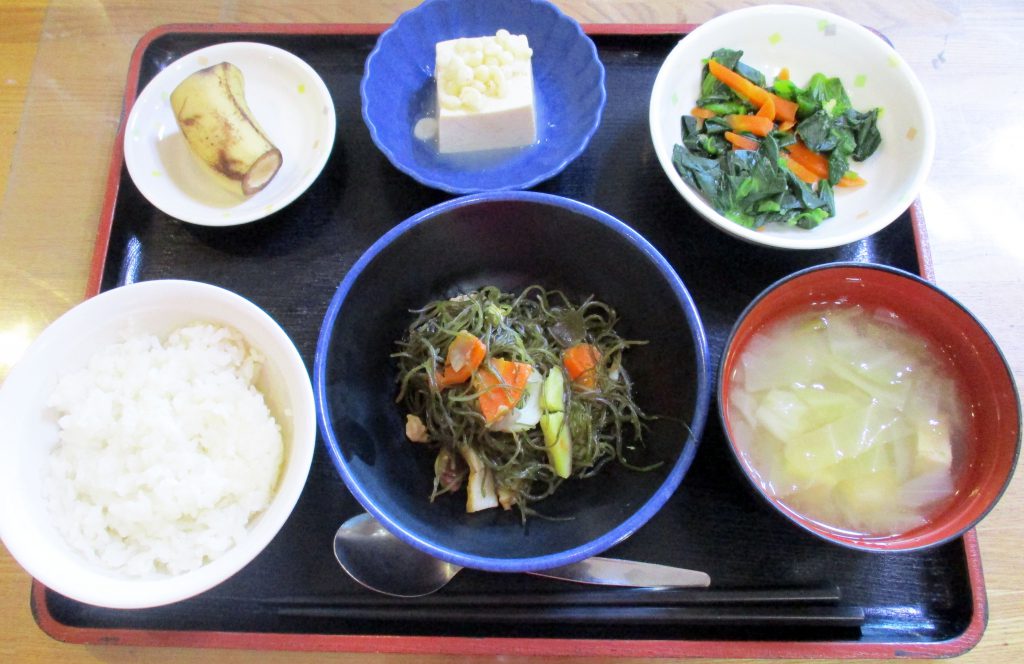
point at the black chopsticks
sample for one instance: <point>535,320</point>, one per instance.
<point>801,595</point>
<point>783,607</point>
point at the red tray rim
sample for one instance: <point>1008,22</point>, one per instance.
<point>385,643</point>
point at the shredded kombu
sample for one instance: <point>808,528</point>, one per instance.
<point>534,327</point>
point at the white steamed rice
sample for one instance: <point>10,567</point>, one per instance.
<point>167,450</point>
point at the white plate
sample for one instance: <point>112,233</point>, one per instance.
<point>288,99</point>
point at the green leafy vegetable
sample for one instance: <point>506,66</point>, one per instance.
<point>756,187</point>
<point>717,96</point>
<point>753,188</point>
<point>851,135</point>
<point>822,93</point>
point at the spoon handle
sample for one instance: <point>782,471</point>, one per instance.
<point>614,572</point>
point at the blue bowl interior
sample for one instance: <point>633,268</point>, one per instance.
<point>511,241</point>
<point>398,89</point>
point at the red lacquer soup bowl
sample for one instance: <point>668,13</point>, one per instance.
<point>990,432</point>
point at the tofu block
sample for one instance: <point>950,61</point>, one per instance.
<point>485,98</point>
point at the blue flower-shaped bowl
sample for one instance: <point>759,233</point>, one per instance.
<point>398,90</point>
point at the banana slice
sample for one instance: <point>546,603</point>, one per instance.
<point>215,119</point>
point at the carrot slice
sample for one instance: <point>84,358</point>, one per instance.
<point>800,170</point>
<point>702,113</point>
<point>767,109</point>
<point>813,161</point>
<point>817,164</point>
<point>784,110</point>
<point>784,74</point>
<point>851,181</point>
<point>754,124</point>
<point>737,83</point>
<point>786,125</point>
<point>581,363</point>
<point>465,353</point>
<point>741,142</point>
<point>501,384</point>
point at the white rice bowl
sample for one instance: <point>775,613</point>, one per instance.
<point>182,525</point>
<point>166,452</point>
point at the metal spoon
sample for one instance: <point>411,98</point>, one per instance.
<point>378,560</point>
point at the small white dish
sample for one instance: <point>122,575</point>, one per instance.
<point>288,98</point>
<point>806,41</point>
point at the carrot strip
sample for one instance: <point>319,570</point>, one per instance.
<point>767,110</point>
<point>799,170</point>
<point>501,391</point>
<point>784,74</point>
<point>465,353</point>
<point>786,125</point>
<point>702,113</point>
<point>581,363</point>
<point>817,164</point>
<point>754,124</point>
<point>784,110</point>
<point>809,159</point>
<point>851,181</point>
<point>737,83</point>
<point>741,142</point>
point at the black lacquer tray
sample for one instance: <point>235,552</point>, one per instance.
<point>777,590</point>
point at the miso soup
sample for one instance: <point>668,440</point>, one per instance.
<point>850,418</point>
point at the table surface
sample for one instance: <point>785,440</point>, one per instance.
<point>64,64</point>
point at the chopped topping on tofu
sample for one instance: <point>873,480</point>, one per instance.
<point>474,68</point>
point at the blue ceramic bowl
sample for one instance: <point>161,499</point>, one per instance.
<point>398,89</point>
<point>460,245</point>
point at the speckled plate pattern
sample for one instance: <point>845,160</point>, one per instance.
<point>807,41</point>
<point>398,90</point>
